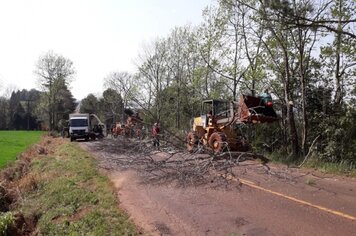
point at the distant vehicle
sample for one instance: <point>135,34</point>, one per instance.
<point>85,126</point>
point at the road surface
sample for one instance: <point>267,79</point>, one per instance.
<point>257,200</point>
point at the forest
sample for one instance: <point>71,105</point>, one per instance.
<point>302,51</point>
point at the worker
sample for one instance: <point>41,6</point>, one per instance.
<point>155,135</point>
<point>209,118</point>
<point>210,114</point>
<point>266,98</point>
<point>63,127</point>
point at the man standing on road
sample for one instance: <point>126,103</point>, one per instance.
<point>155,135</point>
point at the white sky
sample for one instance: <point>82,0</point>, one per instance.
<point>99,36</point>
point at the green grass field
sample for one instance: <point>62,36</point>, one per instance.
<point>13,143</point>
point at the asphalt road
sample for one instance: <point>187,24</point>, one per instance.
<point>257,201</point>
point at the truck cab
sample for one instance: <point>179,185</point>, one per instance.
<point>79,127</point>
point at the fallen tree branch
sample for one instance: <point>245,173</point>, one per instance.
<point>310,148</point>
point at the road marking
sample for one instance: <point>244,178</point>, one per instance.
<point>254,185</point>
<point>338,213</point>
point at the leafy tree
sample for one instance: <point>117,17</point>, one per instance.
<point>226,58</point>
<point>21,109</point>
<point>339,56</point>
<point>251,45</point>
<point>66,103</point>
<point>90,104</point>
<point>112,106</point>
<point>16,111</point>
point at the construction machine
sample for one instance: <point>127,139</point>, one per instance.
<point>132,128</point>
<point>218,125</point>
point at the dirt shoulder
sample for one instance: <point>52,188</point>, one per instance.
<point>150,189</point>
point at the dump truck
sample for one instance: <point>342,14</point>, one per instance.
<point>85,126</point>
<point>218,125</point>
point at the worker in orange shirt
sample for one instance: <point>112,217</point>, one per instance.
<point>155,135</point>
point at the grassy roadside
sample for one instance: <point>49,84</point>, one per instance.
<point>332,168</point>
<point>342,168</point>
<point>63,194</point>
<point>14,142</point>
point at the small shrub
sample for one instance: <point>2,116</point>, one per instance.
<point>6,220</point>
<point>310,182</point>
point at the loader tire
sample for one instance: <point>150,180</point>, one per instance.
<point>192,141</point>
<point>217,142</point>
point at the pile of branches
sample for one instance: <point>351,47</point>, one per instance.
<point>171,164</point>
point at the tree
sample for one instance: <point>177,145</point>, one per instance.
<point>90,104</point>
<point>181,61</point>
<point>125,86</point>
<point>226,58</point>
<point>278,45</point>
<point>21,109</point>
<point>54,73</point>
<point>153,69</point>
<point>112,106</point>
<point>29,101</point>
<point>250,45</point>
<point>339,56</point>
<point>304,40</point>
<point>16,111</point>
<point>66,104</point>
<point>4,104</point>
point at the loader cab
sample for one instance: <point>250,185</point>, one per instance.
<point>214,108</point>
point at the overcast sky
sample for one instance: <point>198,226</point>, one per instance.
<point>99,36</point>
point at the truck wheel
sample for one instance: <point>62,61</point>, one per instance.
<point>71,139</point>
<point>217,142</point>
<point>192,141</point>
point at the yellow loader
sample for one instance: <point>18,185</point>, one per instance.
<point>216,127</point>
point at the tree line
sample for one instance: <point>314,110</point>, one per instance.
<point>49,107</point>
<point>302,51</point>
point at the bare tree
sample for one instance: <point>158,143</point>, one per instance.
<point>54,73</point>
<point>152,66</point>
<point>9,90</point>
<point>125,85</point>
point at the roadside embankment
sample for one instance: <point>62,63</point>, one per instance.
<point>55,189</point>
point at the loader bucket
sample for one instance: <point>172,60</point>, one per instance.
<point>255,110</point>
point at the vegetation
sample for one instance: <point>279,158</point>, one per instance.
<point>6,220</point>
<point>62,193</point>
<point>302,51</point>
<point>46,109</point>
<point>333,168</point>
<point>54,73</point>
<point>12,143</point>
<point>74,200</point>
